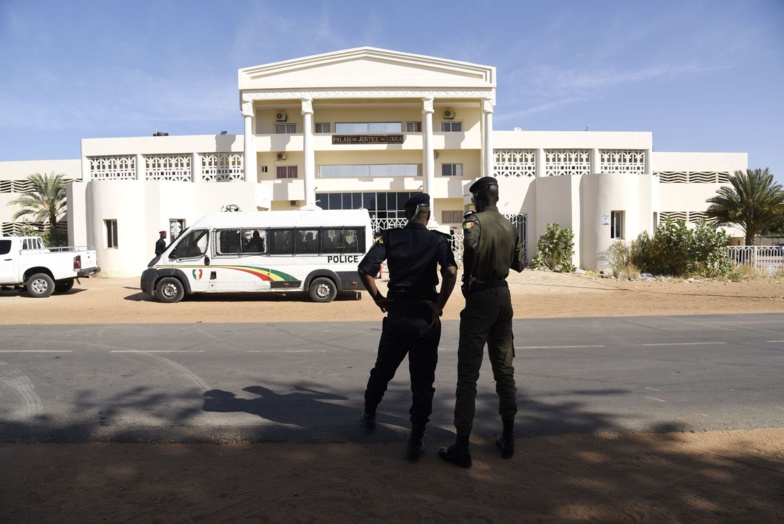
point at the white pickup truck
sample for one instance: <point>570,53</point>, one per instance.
<point>25,261</point>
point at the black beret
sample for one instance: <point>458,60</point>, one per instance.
<point>482,182</point>
<point>418,199</point>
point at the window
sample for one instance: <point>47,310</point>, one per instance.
<point>263,169</point>
<point>193,244</point>
<point>228,241</point>
<point>285,129</point>
<point>5,247</point>
<point>369,171</point>
<point>343,240</point>
<point>452,127</point>
<point>287,172</point>
<point>323,127</point>
<point>452,217</point>
<point>451,169</point>
<point>381,205</point>
<point>413,127</point>
<point>306,242</point>
<point>176,227</point>
<point>281,241</point>
<point>368,127</point>
<point>111,233</point>
<point>254,241</point>
<point>616,224</point>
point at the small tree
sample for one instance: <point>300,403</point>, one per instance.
<point>45,201</point>
<point>752,201</point>
<point>555,249</point>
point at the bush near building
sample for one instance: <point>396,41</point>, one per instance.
<point>674,250</point>
<point>555,250</point>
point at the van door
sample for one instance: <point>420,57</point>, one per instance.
<point>7,262</point>
<point>238,263</point>
<point>190,255</point>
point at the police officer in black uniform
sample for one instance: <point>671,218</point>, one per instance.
<point>412,326</point>
<point>491,246</point>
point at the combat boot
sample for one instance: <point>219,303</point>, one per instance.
<point>416,446</point>
<point>368,421</point>
<point>459,456</point>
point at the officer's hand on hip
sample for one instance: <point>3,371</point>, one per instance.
<point>382,302</point>
<point>435,319</point>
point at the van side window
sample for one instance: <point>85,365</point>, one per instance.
<point>228,242</point>
<point>254,241</point>
<point>5,247</point>
<point>281,241</point>
<point>193,244</point>
<point>306,242</point>
<point>343,240</point>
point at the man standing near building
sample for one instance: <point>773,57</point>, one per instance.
<point>491,246</point>
<point>160,244</point>
<point>412,326</point>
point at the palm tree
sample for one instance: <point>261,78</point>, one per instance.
<point>45,201</point>
<point>752,201</point>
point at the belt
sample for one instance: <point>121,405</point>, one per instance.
<point>478,287</point>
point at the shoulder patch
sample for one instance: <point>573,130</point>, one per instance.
<point>468,225</point>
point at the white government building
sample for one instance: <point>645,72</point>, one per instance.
<point>365,128</point>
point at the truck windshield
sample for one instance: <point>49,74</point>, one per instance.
<point>192,244</point>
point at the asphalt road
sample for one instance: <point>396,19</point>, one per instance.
<point>304,381</point>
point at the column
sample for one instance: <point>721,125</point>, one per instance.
<point>195,168</point>
<point>488,155</point>
<point>249,145</point>
<point>141,168</point>
<point>541,163</point>
<point>428,160</point>
<point>596,160</point>
<point>308,153</point>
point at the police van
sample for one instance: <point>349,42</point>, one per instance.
<point>314,252</point>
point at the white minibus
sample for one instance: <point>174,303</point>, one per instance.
<point>315,252</point>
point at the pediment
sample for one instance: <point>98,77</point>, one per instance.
<point>367,67</point>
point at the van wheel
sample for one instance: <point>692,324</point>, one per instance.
<point>169,290</point>
<point>63,286</point>
<point>40,285</point>
<point>322,290</point>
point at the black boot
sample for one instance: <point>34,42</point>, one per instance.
<point>416,446</point>
<point>458,453</point>
<point>368,421</point>
<point>505,441</point>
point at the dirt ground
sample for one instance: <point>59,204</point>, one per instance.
<point>726,476</point>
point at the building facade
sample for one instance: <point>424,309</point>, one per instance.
<point>365,128</point>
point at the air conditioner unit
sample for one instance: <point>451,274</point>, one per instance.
<point>280,116</point>
<point>281,156</point>
<point>449,114</point>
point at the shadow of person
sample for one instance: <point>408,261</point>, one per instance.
<point>304,407</point>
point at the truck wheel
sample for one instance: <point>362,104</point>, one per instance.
<point>40,285</point>
<point>63,286</point>
<point>322,290</point>
<point>169,290</point>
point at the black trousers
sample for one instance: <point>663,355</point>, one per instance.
<point>405,332</point>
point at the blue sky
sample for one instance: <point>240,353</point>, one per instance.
<point>701,75</point>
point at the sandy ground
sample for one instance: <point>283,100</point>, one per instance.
<point>728,476</point>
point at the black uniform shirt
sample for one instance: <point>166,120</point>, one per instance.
<point>412,254</point>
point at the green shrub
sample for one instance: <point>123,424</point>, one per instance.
<point>555,249</point>
<point>676,250</point>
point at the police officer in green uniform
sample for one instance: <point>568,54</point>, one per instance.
<point>412,327</point>
<point>491,246</point>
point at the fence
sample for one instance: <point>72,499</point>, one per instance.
<point>765,258</point>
